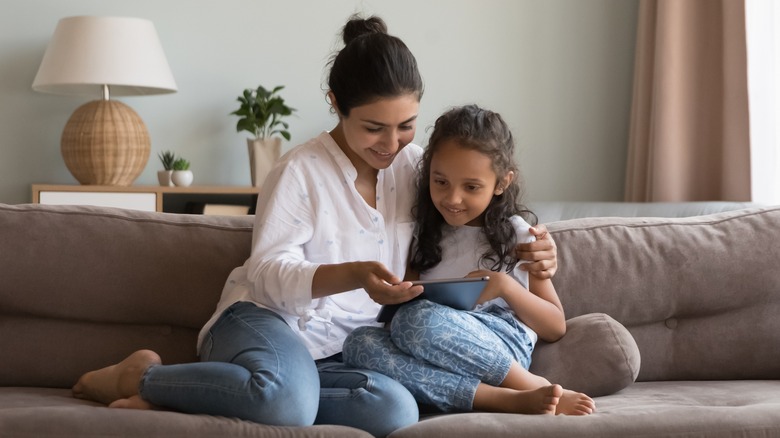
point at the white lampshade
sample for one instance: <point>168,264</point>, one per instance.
<point>86,53</point>
<point>105,142</point>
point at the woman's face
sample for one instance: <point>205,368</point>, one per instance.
<point>375,132</point>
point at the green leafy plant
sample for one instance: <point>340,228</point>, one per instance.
<point>167,158</point>
<point>181,164</point>
<point>261,113</point>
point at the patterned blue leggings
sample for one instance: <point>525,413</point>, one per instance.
<point>441,354</point>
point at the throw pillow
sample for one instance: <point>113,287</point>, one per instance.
<point>597,356</point>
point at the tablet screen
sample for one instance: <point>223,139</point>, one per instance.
<point>458,293</point>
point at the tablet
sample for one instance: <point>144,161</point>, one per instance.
<point>458,293</point>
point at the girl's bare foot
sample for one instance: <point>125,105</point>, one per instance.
<point>115,382</point>
<point>542,400</point>
<point>575,403</point>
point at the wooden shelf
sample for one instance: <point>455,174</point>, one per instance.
<point>149,198</point>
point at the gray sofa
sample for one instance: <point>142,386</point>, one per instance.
<point>696,297</point>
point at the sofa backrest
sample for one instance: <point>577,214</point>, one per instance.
<point>551,211</point>
<point>701,295</point>
<point>81,287</point>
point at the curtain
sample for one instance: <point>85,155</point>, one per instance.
<point>762,18</point>
<point>689,134</point>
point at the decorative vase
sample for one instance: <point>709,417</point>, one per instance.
<point>164,177</point>
<point>263,152</point>
<point>182,178</point>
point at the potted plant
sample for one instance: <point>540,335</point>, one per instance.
<point>182,175</point>
<point>262,114</point>
<point>164,176</point>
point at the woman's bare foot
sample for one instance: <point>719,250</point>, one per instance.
<point>542,400</point>
<point>575,403</point>
<point>133,402</point>
<point>115,382</point>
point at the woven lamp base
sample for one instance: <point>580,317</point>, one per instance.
<point>105,143</point>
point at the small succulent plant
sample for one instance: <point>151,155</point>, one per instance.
<point>181,164</point>
<point>168,159</point>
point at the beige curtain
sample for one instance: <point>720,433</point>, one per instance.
<point>689,134</point>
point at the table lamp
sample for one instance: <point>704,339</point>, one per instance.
<point>105,142</point>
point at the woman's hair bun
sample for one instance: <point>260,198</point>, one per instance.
<point>357,26</point>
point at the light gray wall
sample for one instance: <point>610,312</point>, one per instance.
<point>559,71</point>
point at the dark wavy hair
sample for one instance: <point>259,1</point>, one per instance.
<point>485,132</point>
<point>372,65</point>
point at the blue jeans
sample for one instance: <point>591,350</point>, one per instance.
<point>441,354</point>
<point>254,367</point>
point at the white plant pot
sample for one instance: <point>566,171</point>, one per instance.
<point>164,177</point>
<point>263,153</point>
<point>182,178</point>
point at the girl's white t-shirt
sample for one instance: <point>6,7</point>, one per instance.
<point>462,248</point>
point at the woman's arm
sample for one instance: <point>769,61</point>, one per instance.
<point>542,254</point>
<point>382,285</point>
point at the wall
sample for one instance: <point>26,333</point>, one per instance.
<point>558,70</point>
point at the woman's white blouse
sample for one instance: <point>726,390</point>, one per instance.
<point>310,213</point>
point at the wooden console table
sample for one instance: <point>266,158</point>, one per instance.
<point>147,198</point>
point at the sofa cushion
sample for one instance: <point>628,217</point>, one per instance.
<point>46,412</point>
<point>690,409</point>
<point>85,286</point>
<point>597,356</point>
<point>700,295</point>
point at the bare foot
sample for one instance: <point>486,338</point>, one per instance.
<point>115,382</point>
<point>133,402</point>
<point>575,403</point>
<point>542,400</point>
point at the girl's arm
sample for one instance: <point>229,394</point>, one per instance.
<point>539,308</point>
<point>547,313</point>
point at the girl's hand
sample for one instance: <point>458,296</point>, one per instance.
<point>543,254</point>
<point>382,285</point>
<point>496,287</point>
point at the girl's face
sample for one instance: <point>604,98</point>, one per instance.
<point>375,132</point>
<point>463,183</point>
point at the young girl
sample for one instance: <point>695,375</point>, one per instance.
<point>468,221</point>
